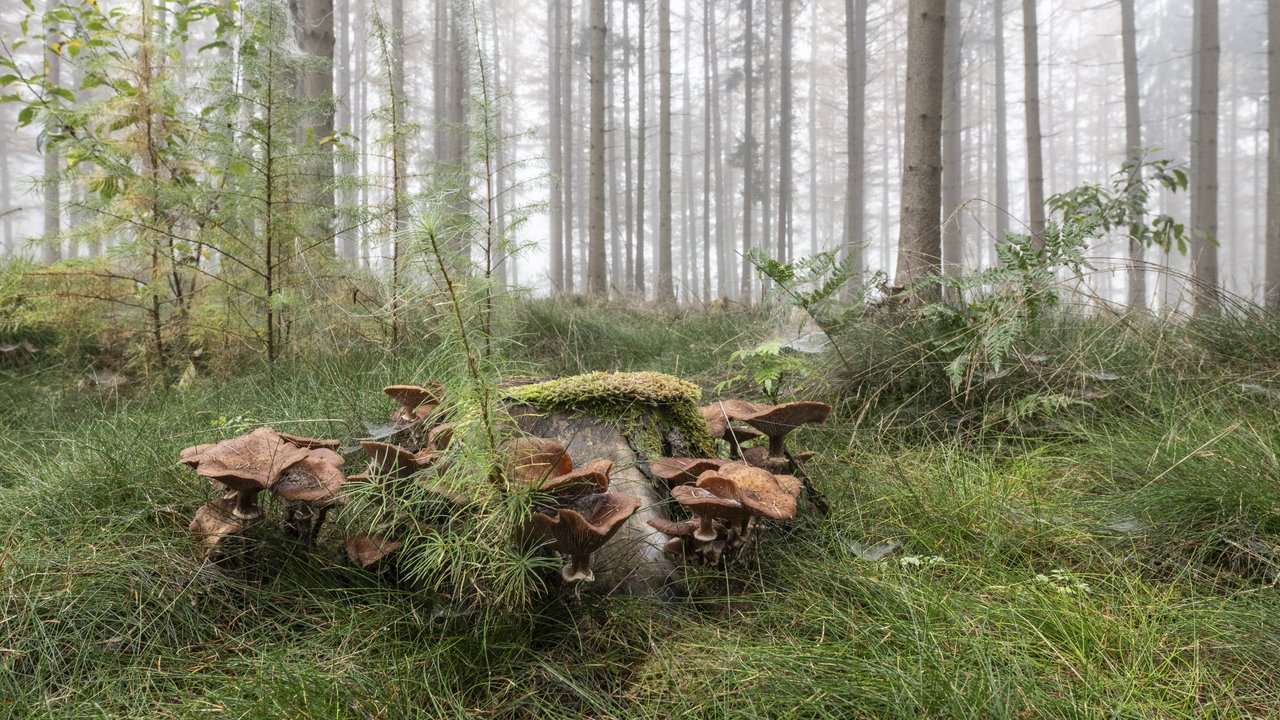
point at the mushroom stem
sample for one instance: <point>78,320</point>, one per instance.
<point>247,507</point>
<point>706,531</point>
<point>778,446</point>
<point>578,569</point>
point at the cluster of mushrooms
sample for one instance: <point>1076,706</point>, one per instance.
<point>730,499</point>
<point>574,512</point>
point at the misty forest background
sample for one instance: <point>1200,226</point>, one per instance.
<point>1027,250</point>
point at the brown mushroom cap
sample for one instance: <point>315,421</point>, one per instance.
<point>680,471</point>
<point>590,479</point>
<point>531,461</point>
<point>779,420</point>
<point>393,460</point>
<point>315,480</point>
<point>368,550</point>
<point>191,456</point>
<point>708,507</point>
<point>674,528</point>
<point>310,443</point>
<point>216,521</point>
<point>247,464</point>
<point>582,529</point>
<point>411,396</point>
<point>439,437</point>
<point>759,490</point>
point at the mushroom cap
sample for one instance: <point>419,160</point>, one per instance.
<point>191,456</point>
<point>680,471</point>
<point>674,528</point>
<point>531,461</point>
<point>317,478</point>
<point>393,460</point>
<point>582,529</point>
<point>439,437</point>
<point>367,550</point>
<point>716,420</point>
<point>706,503</point>
<point>248,462</point>
<point>215,521</point>
<point>759,490</point>
<point>759,457</point>
<point>310,443</point>
<point>779,420</point>
<point>590,479</point>
<point>739,435</point>
<point>411,396</point>
<point>732,409</point>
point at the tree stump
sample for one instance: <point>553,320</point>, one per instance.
<point>631,419</point>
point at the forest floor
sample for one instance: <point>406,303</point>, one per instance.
<point>1098,538</point>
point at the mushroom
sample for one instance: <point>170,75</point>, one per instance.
<point>309,489</point>
<point>680,471</point>
<point>718,423</point>
<point>310,443</point>
<point>246,465</point>
<point>778,420</point>
<point>758,489</point>
<point>215,522</point>
<point>439,437</point>
<point>708,506</point>
<point>367,550</point>
<point>589,479</point>
<point>417,403</point>
<point>530,461</point>
<point>581,530</point>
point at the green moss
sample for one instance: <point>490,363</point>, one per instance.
<point>644,405</point>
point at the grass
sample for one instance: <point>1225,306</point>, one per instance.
<point>1110,558</point>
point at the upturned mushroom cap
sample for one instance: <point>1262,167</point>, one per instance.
<point>778,420</point>
<point>315,480</point>
<point>680,471</point>
<point>310,443</point>
<point>582,529</point>
<point>531,461</point>
<point>411,396</point>
<point>758,489</point>
<point>708,507</point>
<point>191,456</point>
<point>439,437</point>
<point>215,522</point>
<point>590,479</point>
<point>368,550</point>
<point>393,460</point>
<point>247,464</point>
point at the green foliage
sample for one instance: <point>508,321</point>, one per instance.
<point>813,284</point>
<point>769,367</point>
<point>1124,203</point>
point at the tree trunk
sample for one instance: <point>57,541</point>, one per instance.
<point>52,160</point>
<point>640,154</point>
<point>597,272</point>
<point>813,129</point>
<point>749,147</point>
<point>918,239</point>
<point>1002,131</point>
<point>629,272</point>
<point>724,267</point>
<point>787,113</point>
<point>1272,283</point>
<point>555,151</point>
<point>710,93</point>
<point>348,248</point>
<point>1137,299</point>
<point>566,116</point>
<point>952,170</point>
<point>1204,158</point>
<point>688,243</point>
<point>855,58</point>
<point>766,161</point>
<point>313,27</point>
<point>665,292</point>
<point>440,81</point>
<point>1035,161</point>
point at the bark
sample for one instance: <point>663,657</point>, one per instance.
<point>440,81</point>
<point>1204,158</point>
<point>665,291</point>
<point>724,268</point>
<point>555,151</point>
<point>1035,161</point>
<point>813,129</point>
<point>313,28</point>
<point>1137,291</point>
<point>348,248</point>
<point>6,198</point>
<point>597,273</point>
<point>766,160</point>
<point>627,174</point>
<point>688,255</point>
<point>615,200</point>
<point>52,161</point>
<point>748,155</point>
<point>855,58</point>
<point>1272,283</point>
<point>566,136</point>
<point>640,155</point>
<point>1002,130</point>
<point>787,114</point>
<point>952,169</point>
<point>707,177</point>
<point>918,239</point>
